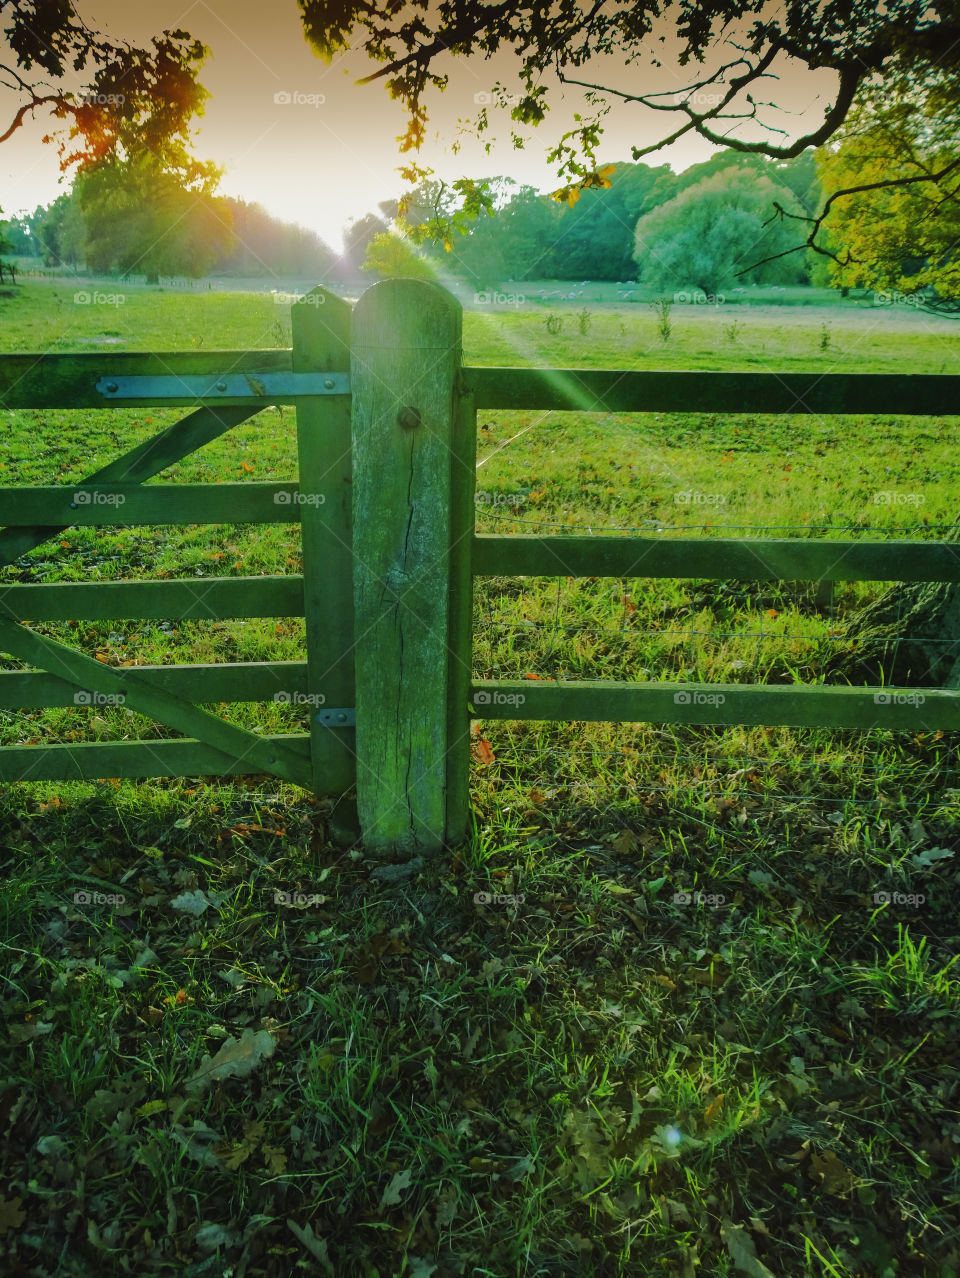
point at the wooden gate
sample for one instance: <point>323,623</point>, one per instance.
<point>386,430</point>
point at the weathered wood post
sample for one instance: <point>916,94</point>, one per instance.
<point>413,491</point>
<point>320,324</point>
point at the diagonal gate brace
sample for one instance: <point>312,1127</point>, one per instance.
<point>233,742</point>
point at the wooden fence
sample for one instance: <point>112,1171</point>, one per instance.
<point>386,428</point>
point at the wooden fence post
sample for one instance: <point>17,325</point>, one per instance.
<point>411,605</point>
<point>320,324</point>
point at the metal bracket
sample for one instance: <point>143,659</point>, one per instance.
<point>344,717</point>
<point>269,386</point>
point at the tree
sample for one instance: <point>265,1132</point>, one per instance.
<point>267,246</point>
<point>61,231</point>
<point>705,236</point>
<point>133,101</point>
<point>357,237</point>
<point>392,257</point>
<point>139,218</point>
<point>731,52</point>
<point>900,228</point>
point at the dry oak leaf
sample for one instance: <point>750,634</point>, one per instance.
<point>236,1059</point>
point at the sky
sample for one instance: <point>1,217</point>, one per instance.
<point>326,149</point>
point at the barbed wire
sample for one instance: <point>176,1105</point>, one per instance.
<point>660,526</point>
<point>548,628</point>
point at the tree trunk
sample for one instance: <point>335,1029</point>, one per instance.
<point>908,637</point>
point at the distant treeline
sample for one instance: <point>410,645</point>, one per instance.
<point>659,228</point>
<point>652,225</point>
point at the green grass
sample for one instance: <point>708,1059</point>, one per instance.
<point>596,1078</point>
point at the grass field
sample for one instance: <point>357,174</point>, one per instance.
<point>584,1077</point>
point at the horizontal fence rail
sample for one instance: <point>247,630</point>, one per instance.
<point>715,703</point>
<point>91,503</point>
<point>621,391</point>
<point>722,558</point>
<point>93,761</point>
<point>189,599</point>
<point>71,381</point>
<point>231,681</point>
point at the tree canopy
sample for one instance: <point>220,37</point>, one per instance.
<point>730,50</point>
<point>134,101</point>
<point>897,228</point>
<point>704,237</point>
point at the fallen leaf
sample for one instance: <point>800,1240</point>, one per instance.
<point>827,1172</point>
<point>317,1247</point>
<point>393,1192</point>
<point>10,1214</point>
<point>712,1112</point>
<point>742,1251</point>
<point>236,1059</point>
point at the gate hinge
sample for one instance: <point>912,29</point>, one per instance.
<point>275,387</point>
<point>344,717</point>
